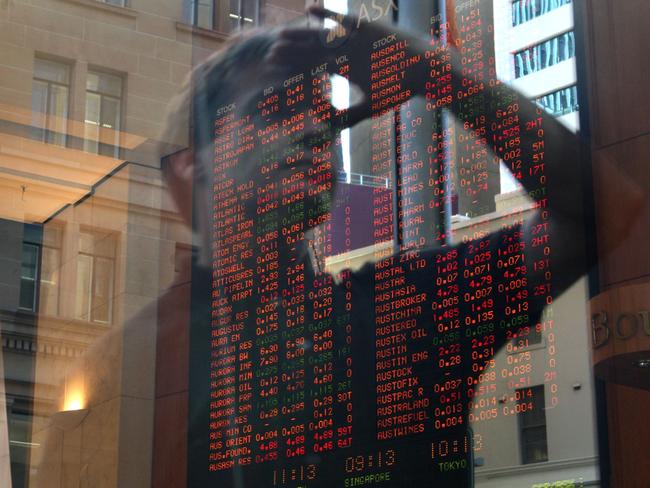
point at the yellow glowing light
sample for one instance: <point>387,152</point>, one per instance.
<point>74,402</point>
<point>75,394</point>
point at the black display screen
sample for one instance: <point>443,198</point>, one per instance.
<point>304,376</point>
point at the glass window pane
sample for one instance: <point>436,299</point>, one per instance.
<point>243,13</point>
<point>389,191</point>
<point>104,83</point>
<point>103,110</point>
<point>30,262</point>
<point>58,114</point>
<point>188,11</point>
<point>52,237</point>
<point>93,108</point>
<point>92,81</point>
<point>84,271</point>
<point>233,14</point>
<point>39,102</point>
<point>91,126</point>
<point>545,54</point>
<point>49,298</point>
<point>110,113</point>
<point>28,273</point>
<point>20,429</point>
<point>111,85</point>
<point>249,10</point>
<point>27,294</point>
<point>51,71</point>
<point>104,246</point>
<point>525,10</point>
<point>205,14</point>
<point>110,119</point>
<point>102,290</point>
<point>560,102</point>
<point>534,445</point>
<point>86,243</point>
<point>532,424</point>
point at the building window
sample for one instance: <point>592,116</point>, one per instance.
<point>200,13</point>
<point>103,113</point>
<point>48,300</point>
<point>95,277</point>
<point>525,10</point>
<point>226,16</point>
<point>545,54</point>
<point>20,419</point>
<point>50,101</point>
<point>117,3</point>
<point>560,102</point>
<point>532,424</point>
<point>243,14</point>
<point>29,277</point>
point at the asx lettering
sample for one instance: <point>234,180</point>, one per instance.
<point>378,9</point>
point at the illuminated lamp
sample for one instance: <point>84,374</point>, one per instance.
<point>74,405</point>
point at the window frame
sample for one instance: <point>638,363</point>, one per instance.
<point>121,3</point>
<point>528,54</point>
<point>523,427</point>
<point>575,107</point>
<point>87,313</point>
<point>222,16</point>
<point>517,3</point>
<point>241,15</point>
<point>116,149</point>
<point>56,250</point>
<point>45,133</point>
<point>35,280</point>
<point>193,14</point>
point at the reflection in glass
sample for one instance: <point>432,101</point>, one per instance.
<point>243,13</point>
<point>84,270</point>
<point>525,10</point>
<point>95,276</point>
<point>103,113</point>
<point>50,93</point>
<point>199,13</point>
<point>49,297</point>
<point>70,283</point>
<point>545,54</point>
<point>205,14</point>
<point>101,290</point>
<point>118,3</point>
<point>91,138</point>
<point>28,275</point>
<point>560,102</point>
<point>532,424</point>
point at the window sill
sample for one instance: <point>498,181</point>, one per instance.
<point>106,7</point>
<point>483,474</point>
<point>198,31</point>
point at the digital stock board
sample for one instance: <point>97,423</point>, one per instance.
<point>372,375</point>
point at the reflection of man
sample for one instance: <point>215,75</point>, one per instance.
<point>269,59</point>
<point>238,76</point>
